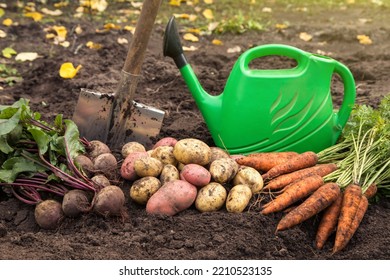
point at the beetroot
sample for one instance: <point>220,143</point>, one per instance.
<point>48,214</point>
<point>109,201</point>
<point>75,203</point>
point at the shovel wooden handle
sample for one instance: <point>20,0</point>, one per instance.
<point>139,42</point>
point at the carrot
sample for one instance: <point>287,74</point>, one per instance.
<point>314,204</point>
<point>370,192</point>
<point>265,161</point>
<point>362,209</point>
<point>294,192</point>
<point>300,161</point>
<point>349,208</point>
<point>328,222</point>
<point>285,179</point>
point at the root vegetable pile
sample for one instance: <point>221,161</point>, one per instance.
<point>64,176</point>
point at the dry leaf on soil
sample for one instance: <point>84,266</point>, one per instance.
<point>68,71</point>
<point>26,56</point>
<point>190,37</point>
<point>305,36</point>
<point>364,39</point>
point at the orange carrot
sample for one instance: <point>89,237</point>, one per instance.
<point>362,209</point>
<point>314,204</point>
<point>328,222</point>
<point>265,161</point>
<point>294,192</point>
<point>349,208</point>
<point>371,191</point>
<point>304,160</point>
<point>285,179</point>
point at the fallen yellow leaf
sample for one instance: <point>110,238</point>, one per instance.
<point>26,56</point>
<point>207,13</point>
<point>34,15</point>
<point>175,3</point>
<point>364,39</point>
<point>110,26</point>
<point>2,34</point>
<point>305,36</point>
<point>190,37</point>
<point>61,4</point>
<point>8,52</point>
<point>61,32</point>
<point>56,12</point>
<point>129,28</point>
<point>208,1</point>
<point>190,49</point>
<point>7,22</point>
<point>92,45</point>
<point>183,16</point>
<point>281,26</point>
<point>122,41</point>
<point>193,30</point>
<point>217,42</point>
<point>68,71</point>
<point>97,5</point>
<point>78,30</point>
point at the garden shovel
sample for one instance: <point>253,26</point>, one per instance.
<point>114,118</point>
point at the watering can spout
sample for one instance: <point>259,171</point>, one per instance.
<point>209,105</point>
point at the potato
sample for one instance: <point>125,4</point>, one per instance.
<point>131,147</point>
<point>223,170</point>
<point>144,188</point>
<point>164,154</point>
<point>191,150</point>
<point>238,198</point>
<point>166,141</point>
<point>148,166</point>
<point>169,173</point>
<point>249,176</point>
<point>195,174</point>
<point>172,198</point>
<point>217,153</point>
<point>127,167</point>
<point>211,197</point>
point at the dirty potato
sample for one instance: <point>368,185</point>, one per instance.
<point>223,170</point>
<point>143,189</point>
<point>131,147</point>
<point>238,198</point>
<point>217,153</point>
<point>249,176</point>
<point>148,166</point>
<point>191,150</point>
<point>164,154</point>
<point>169,173</point>
<point>211,197</point>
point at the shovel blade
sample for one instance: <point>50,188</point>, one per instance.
<point>93,116</point>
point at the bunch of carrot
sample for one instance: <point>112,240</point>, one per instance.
<point>297,181</point>
<point>336,182</point>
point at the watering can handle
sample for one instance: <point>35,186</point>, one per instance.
<point>274,49</point>
<point>349,93</point>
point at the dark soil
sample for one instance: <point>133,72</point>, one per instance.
<point>190,234</point>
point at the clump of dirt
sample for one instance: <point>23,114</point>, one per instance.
<point>190,234</point>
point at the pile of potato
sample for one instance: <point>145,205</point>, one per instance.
<point>175,174</point>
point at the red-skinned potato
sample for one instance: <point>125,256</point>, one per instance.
<point>172,198</point>
<point>127,167</point>
<point>166,141</point>
<point>195,174</point>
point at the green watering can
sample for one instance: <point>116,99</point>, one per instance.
<point>270,110</point>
